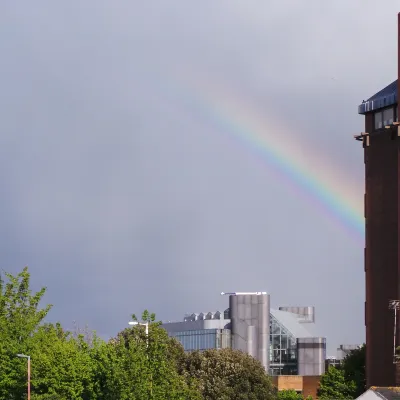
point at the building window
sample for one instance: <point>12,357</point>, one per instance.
<point>378,120</point>
<point>385,117</point>
<point>388,116</point>
<point>283,349</point>
<point>203,339</point>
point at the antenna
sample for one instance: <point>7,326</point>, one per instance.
<point>242,293</point>
<point>394,305</point>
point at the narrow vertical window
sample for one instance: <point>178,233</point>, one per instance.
<point>378,120</point>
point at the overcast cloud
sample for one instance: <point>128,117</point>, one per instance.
<point>119,198</point>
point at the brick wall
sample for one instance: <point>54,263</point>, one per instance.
<point>307,385</point>
<point>310,386</point>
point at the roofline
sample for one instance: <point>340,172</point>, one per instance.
<point>377,103</point>
<point>384,98</point>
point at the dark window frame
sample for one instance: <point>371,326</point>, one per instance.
<point>380,113</point>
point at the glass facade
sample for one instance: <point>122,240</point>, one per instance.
<point>204,339</point>
<point>283,349</point>
<point>283,353</point>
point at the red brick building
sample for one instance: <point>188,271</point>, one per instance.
<point>381,143</point>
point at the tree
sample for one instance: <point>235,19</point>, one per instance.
<point>133,365</point>
<point>228,374</point>
<point>120,370</point>
<point>61,364</point>
<point>289,394</point>
<point>78,365</point>
<point>354,369</point>
<point>349,378</point>
<point>333,385</point>
<point>20,317</point>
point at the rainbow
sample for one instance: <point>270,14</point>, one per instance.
<point>304,169</point>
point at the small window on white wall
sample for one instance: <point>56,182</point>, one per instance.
<point>378,120</point>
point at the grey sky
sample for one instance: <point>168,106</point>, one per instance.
<point>120,199</point>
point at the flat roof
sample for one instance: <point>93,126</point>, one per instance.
<point>384,98</point>
<point>289,320</point>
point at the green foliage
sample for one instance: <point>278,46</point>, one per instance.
<point>354,370</point>
<point>333,385</point>
<point>289,394</point>
<point>20,317</point>
<point>61,364</point>
<point>80,366</point>
<point>133,365</point>
<point>346,381</point>
<point>228,375</point>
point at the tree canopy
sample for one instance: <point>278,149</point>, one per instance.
<point>20,318</point>
<point>228,375</point>
<point>354,369</point>
<point>346,381</point>
<point>291,394</point>
<point>81,366</point>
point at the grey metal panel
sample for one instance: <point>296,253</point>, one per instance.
<point>233,309</point>
<point>311,355</point>
<point>240,329</point>
<point>241,309</point>
<point>250,325</point>
<point>247,308</point>
<point>233,306</point>
<point>239,336</point>
<point>343,350</point>
<point>195,325</point>
<point>307,312</point>
<point>263,330</point>
<point>252,341</point>
<point>311,313</point>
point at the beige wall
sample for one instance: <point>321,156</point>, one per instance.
<point>307,385</point>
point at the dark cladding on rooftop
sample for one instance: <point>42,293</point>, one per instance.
<point>384,98</point>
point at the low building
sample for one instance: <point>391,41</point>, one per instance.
<point>332,362</point>
<point>285,341</point>
<point>381,393</point>
<point>345,349</point>
<point>341,353</point>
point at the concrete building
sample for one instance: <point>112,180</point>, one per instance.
<point>285,341</point>
<point>382,217</point>
<point>345,349</point>
<point>341,353</point>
